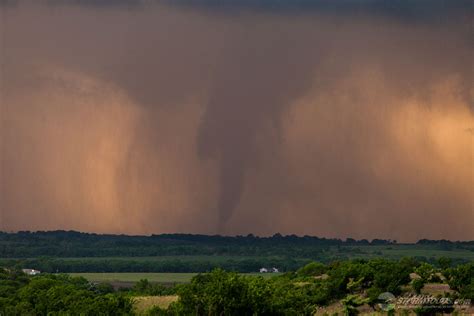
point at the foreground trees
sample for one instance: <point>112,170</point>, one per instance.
<point>352,283</point>
<point>461,279</point>
<point>298,293</point>
<point>348,283</point>
<point>57,295</point>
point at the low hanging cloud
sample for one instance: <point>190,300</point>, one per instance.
<point>236,118</point>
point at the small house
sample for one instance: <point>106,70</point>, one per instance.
<point>31,271</point>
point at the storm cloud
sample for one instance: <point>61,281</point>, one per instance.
<point>309,117</point>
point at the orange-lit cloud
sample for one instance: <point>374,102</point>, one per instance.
<point>168,118</point>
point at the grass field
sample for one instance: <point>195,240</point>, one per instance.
<point>386,251</point>
<point>144,303</point>
<point>152,277</point>
<point>211,258</point>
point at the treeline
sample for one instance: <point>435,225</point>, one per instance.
<point>26,244</point>
<point>180,264</point>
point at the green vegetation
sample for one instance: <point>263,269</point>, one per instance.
<point>351,302</point>
<point>146,304</point>
<point>55,295</point>
<point>73,252</point>
<point>350,284</point>
<point>461,279</point>
<point>163,275</point>
<point>169,264</point>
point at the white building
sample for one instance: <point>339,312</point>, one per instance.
<point>263,270</point>
<point>31,271</point>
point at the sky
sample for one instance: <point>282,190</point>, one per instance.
<point>334,119</point>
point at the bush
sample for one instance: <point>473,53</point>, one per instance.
<point>418,285</point>
<point>312,269</point>
<point>52,295</point>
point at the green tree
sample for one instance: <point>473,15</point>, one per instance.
<point>312,269</point>
<point>418,285</point>
<point>445,263</point>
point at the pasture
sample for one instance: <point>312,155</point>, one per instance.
<point>152,277</point>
